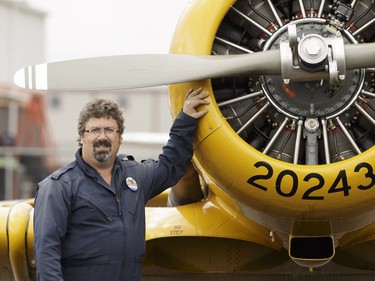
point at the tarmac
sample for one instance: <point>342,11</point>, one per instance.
<point>286,272</point>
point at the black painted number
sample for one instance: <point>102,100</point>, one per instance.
<point>290,190</point>
<point>308,194</point>
<point>268,174</point>
<point>340,183</point>
<point>369,175</point>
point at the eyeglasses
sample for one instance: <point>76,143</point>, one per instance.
<point>109,131</point>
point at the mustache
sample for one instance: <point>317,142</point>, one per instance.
<point>106,143</point>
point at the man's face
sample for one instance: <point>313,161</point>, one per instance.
<point>100,141</point>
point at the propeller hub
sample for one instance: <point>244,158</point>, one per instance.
<point>312,49</point>
<point>306,51</point>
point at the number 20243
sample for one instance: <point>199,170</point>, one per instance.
<point>340,184</point>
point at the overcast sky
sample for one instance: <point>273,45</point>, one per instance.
<point>87,28</point>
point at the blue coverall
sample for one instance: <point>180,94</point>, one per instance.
<point>87,230</point>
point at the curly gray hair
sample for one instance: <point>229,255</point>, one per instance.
<point>99,108</point>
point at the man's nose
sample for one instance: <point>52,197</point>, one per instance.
<point>102,134</point>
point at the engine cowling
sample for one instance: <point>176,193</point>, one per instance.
<point>274,149</point>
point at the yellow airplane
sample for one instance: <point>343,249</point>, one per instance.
<point>284,163</point>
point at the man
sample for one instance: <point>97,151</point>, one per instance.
<point>89,219</point>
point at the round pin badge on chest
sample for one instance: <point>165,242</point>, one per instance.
<point>131,183</point>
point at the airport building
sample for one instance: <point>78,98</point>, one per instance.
<point>38,131</point>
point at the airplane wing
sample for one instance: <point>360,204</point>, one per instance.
<point>179,234</point>
<point>356,249</point>
<point>180,238</point>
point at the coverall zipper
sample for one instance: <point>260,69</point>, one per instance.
<point>96,206</point>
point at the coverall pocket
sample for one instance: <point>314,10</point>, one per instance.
<point>97,206</point>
